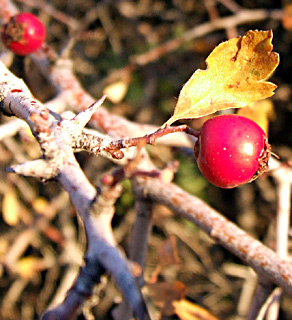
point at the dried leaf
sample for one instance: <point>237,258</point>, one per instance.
<point>10,207</point>
<point>54,234</point>
<point>168,253</point>
<point>287,17</point>
<point>187,310</point>
<point>164,294</point>
<point>235,74</point>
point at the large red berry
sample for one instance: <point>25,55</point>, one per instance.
<point>231,150</point>
<point>24,34</point>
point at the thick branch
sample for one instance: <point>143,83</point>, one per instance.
<point>55,138</point>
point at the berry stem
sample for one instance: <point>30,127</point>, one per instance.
<point>151,137</point>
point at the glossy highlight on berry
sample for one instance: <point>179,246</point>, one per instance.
<point>231,150</point>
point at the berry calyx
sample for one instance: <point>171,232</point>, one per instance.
<point>23,34</point>
<point>232,150</point>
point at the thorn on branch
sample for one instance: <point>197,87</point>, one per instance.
<point>83,117</point>
<point>40,169</point>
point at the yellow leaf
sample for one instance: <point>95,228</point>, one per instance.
<point>40,205</point>
<point>10,207</point>
<point>235,76</point>
<point>28,267</point>
<point>187,310</point>
<point>116,91</point>
<point>260,112</point>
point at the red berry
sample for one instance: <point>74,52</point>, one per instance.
<point>232,150</point>
<point>24,34</point>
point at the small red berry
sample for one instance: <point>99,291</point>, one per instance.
<point>24,34</point>
<point>232,150</point>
